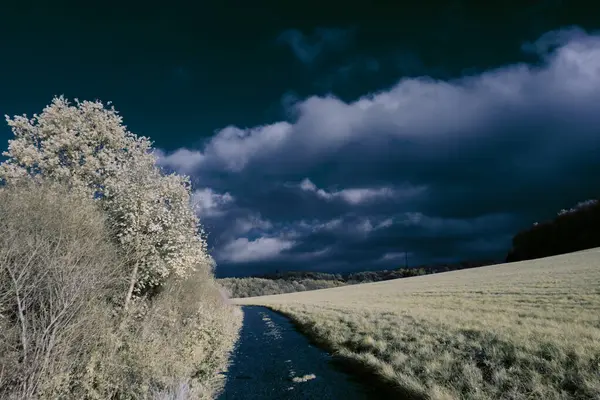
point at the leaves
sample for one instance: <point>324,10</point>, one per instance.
<point>87,146</point>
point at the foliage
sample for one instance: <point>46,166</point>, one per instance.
<point>572,230</point>
<point>87,147</point>
<point>87,219</point>
<point>250,287</point>
<point>58,270</point>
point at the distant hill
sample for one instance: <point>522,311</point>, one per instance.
<point>376,276</point>
<point>572,230</point>
<point>300,281</point>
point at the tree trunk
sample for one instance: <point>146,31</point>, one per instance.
<point>132,281</point>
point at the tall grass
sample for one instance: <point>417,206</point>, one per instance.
<point>63,332</point>
<point>524,330</point>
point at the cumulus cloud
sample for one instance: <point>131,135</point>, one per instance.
<point>438,167</point>
<point>244,250</point>
<point>207,203</point>
<point>307,48</point>
<point>182,160</point>
<point>421,117</point>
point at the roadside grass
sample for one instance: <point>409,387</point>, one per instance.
<point>522,330</point>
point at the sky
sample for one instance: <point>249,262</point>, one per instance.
<point>336,136</point>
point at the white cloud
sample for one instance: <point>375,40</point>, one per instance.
<point>182,160</point>
<point>353,196</point>
<point>365,226</point>
<point>358,196</point>
<point>232,147</point>
<point>250,222</point>
<point>386,223</point>
<point>243,250</point>
<point>207,203</point>
<point>316,226</point>
<point>347,225</point>
<point>418,109</point>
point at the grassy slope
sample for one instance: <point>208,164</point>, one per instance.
<point>528,329</point>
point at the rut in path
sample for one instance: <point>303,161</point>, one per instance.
<point>274,361</point>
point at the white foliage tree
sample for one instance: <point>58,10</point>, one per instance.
<point>87,146</point>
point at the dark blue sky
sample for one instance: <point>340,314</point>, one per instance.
<point>336,135</point>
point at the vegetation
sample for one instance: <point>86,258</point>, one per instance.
<point>574,229</point>
<point>106,287</point>
<point>87,147</point>
<point>514,331</point>
<point>300,281</point>
<point>250,287</point>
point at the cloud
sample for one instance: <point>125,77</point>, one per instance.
<point>207,203</point>
<point>246,224</point>
<point>308,48</point>
<point>439,168</point>
<point>183,160</point>
<point>243,250</point>
<point>357,196</point>
<point>554,39</point>
<point>415,113</point>
<point>394,257</point>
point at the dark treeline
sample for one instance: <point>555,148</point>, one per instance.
<point>572,230</point>
<point>376,276</point>
<point>297,281</point>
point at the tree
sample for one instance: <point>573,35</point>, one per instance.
<point>573,229</point>
<point>86,146</point>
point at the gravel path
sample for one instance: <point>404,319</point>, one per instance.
<point>274,361</point>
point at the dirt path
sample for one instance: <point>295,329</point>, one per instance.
<point>274,361</point>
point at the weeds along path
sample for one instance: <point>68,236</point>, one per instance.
<point>274,361</point>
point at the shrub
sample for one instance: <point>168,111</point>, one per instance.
<point>58,270</point>
<point>87,147</point>
<point>90,230</point>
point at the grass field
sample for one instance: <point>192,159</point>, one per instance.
<point>524,330</point>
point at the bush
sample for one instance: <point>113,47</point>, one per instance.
<point>58,271</point>
<point>87,147</point>
<point>106,285</point>
<point>60,282</point>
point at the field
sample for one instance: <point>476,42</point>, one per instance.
<point>523,330</point>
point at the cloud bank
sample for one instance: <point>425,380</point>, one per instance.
<point>441,169</point>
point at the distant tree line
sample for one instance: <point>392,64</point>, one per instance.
<point>298,281</point>
<point>253,286</point>
<point>573,229</point>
